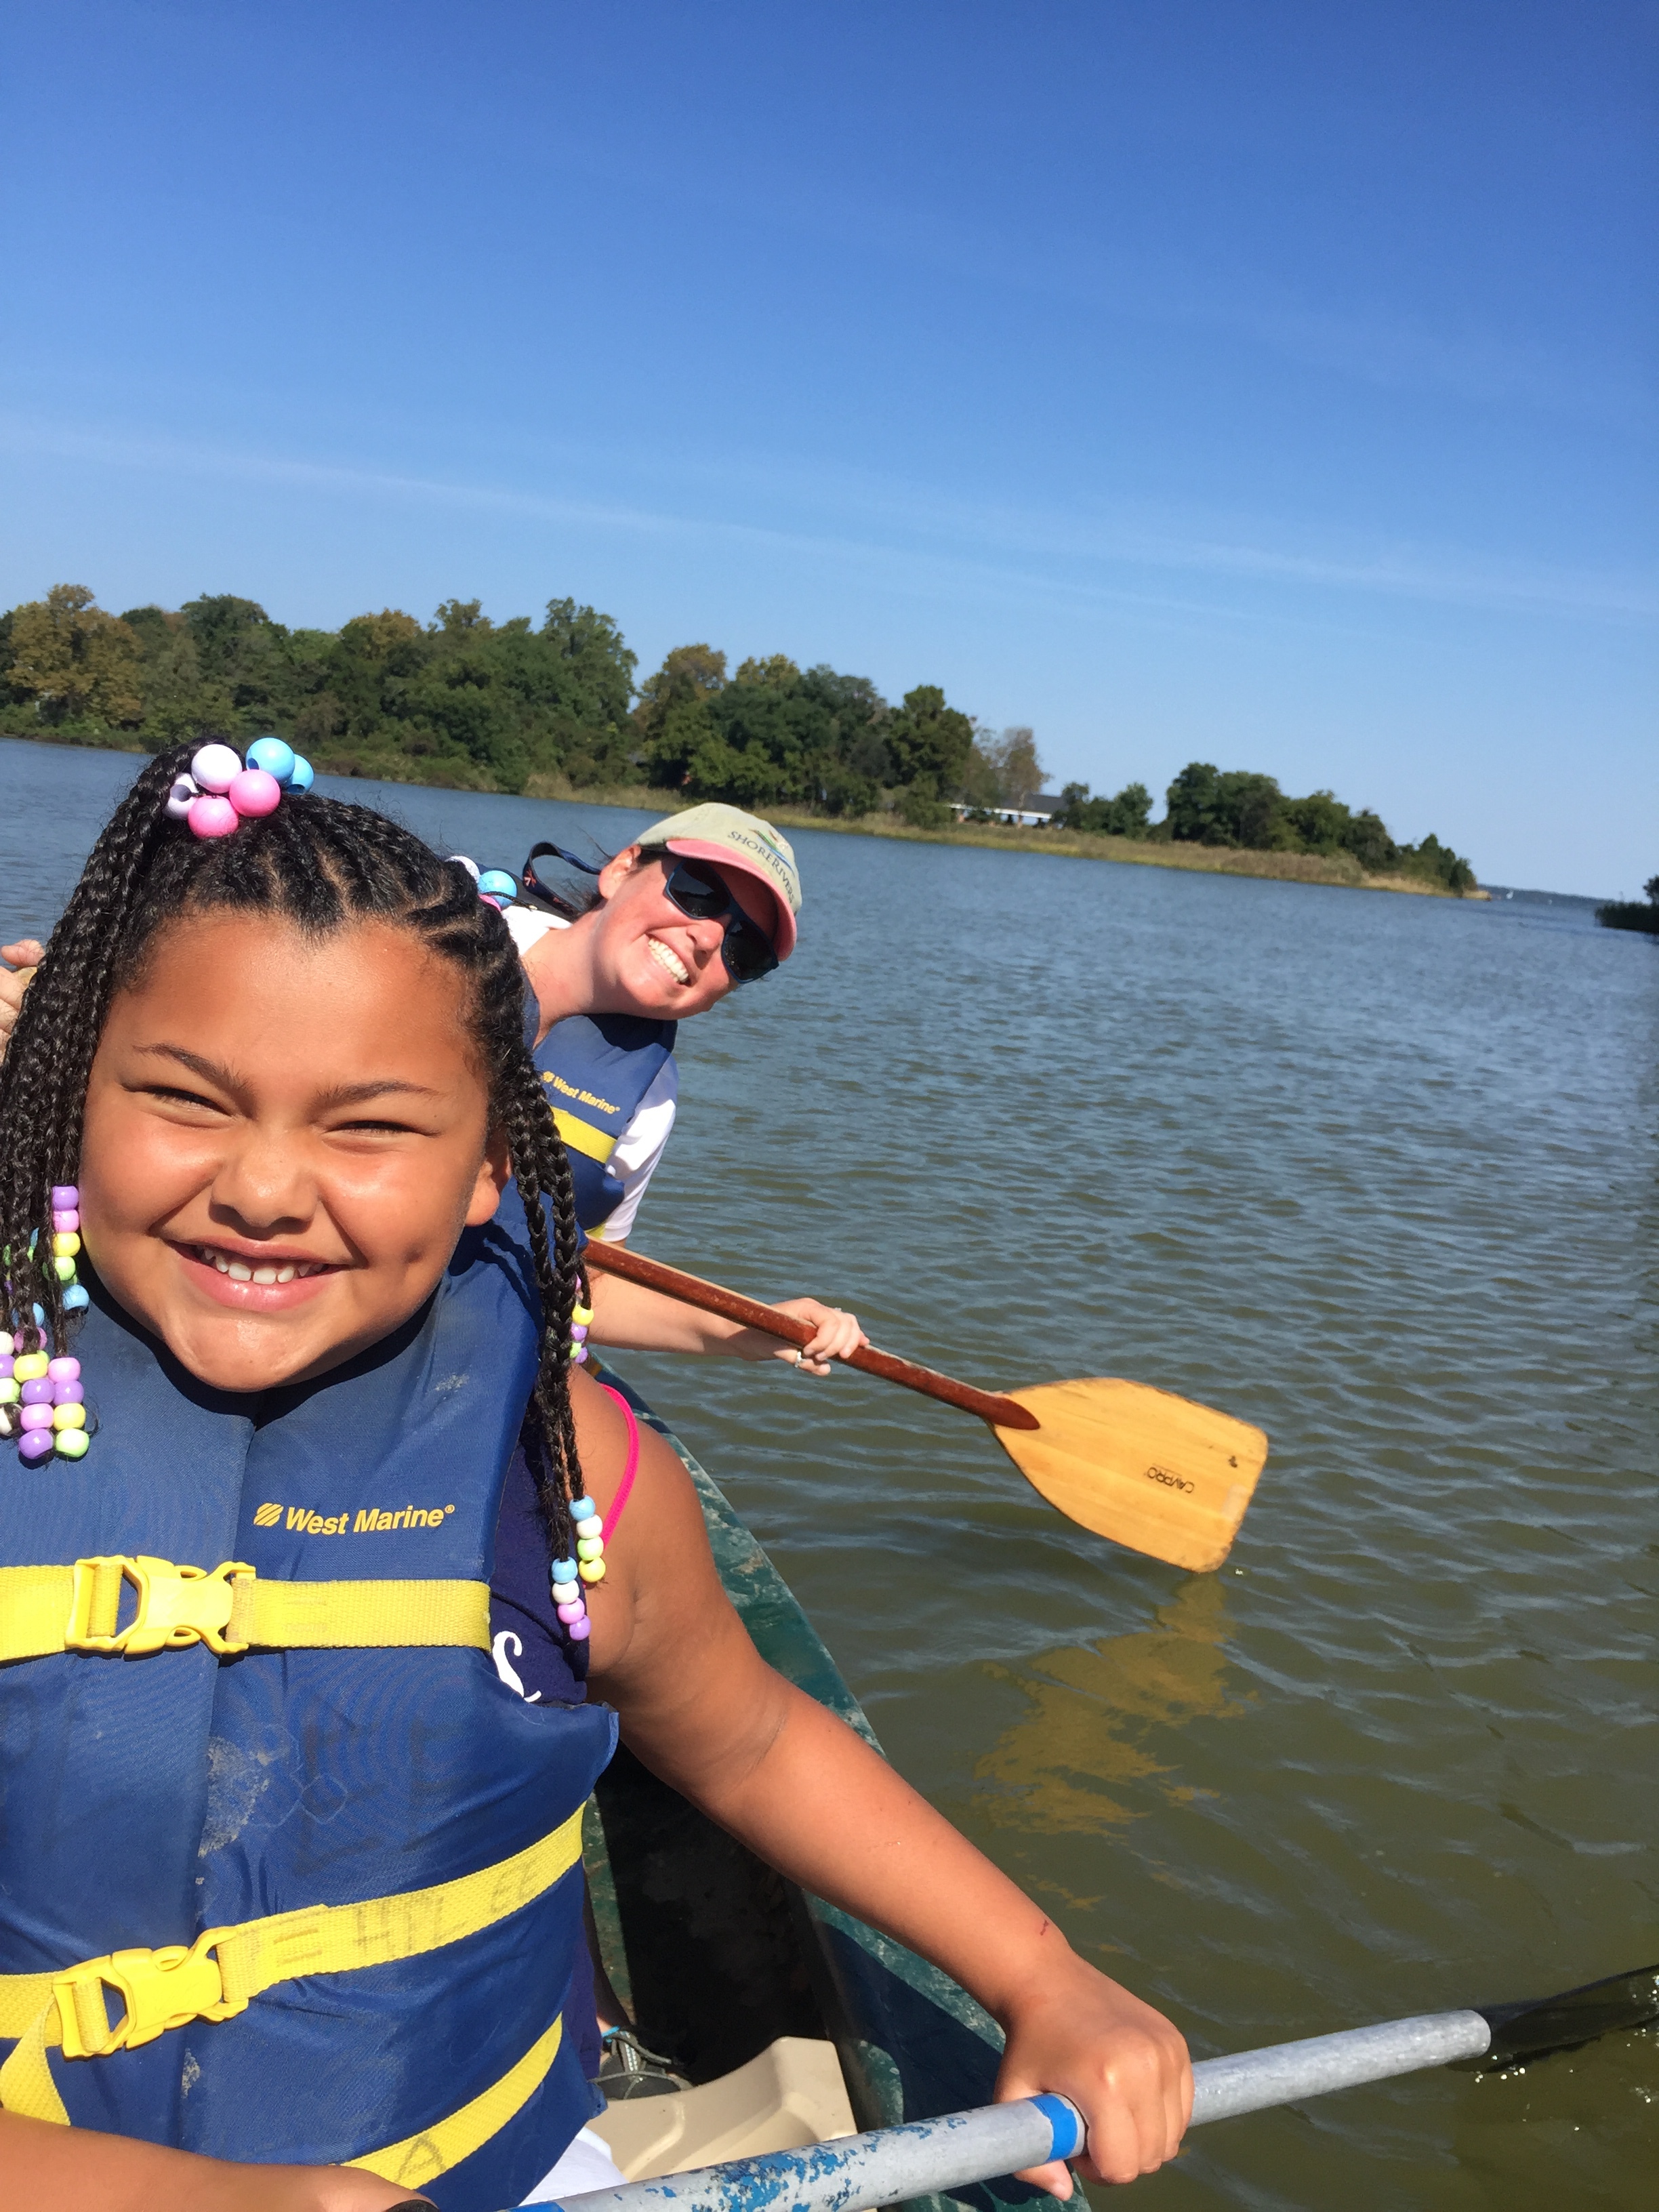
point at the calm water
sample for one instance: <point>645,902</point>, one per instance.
<point>1376,1173</point>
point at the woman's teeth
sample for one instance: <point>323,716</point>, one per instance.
<point>240,1272</point>
<point>672,961</point>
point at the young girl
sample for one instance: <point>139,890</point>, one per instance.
<point>289,1887</point>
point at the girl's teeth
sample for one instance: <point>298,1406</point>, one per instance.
<point>240,1272</point>
<point>672,961</point>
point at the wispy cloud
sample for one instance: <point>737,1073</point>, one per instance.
<point>916,537</point>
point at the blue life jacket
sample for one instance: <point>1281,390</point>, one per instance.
<point>598,1067</point>
<point>327,1731</point>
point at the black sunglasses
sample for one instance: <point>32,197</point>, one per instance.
<point>745,948</point>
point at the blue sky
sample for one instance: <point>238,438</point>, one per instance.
<point>1267,383</point>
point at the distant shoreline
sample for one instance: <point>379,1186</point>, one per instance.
<point>1340,871</point>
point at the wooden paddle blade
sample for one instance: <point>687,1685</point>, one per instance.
<point>1152,1471</point>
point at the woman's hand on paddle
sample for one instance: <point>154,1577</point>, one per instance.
<point>1124,2066</point>
<point>838,1334</point>
<point>24,957</point>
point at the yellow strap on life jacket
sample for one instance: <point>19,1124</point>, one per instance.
<point>45,1610</point>
<point>225,1968</point>
<point>583,1137</point>
<point>423,2158</point>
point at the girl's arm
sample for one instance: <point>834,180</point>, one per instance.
<point>702,1708</point>
<point>44,2168</point>
<point>631,1318</point>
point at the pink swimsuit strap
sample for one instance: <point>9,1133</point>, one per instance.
<point>629,1471</point>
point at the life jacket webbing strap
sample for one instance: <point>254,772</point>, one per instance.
<point>420,2158</point>
<point>43,1610</point>
<point>225,1968</point>
<point>583,1137</point>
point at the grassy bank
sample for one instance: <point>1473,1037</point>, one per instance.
<point>1340,870</point>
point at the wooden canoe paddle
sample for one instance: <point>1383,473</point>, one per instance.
<point>1153,1472</point>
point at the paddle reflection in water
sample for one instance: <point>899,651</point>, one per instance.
<point>1099,1714</point>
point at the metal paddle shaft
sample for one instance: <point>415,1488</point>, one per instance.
<point>732,1305</point>
<point>890,2164</point>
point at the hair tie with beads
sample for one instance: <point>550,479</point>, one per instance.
<point>495,887</point>
<point>219,793</point>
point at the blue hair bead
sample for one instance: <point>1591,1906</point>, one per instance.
<point>564,1571</point>
<point>303,775</point>
<point>496,883</point>
<point>76,1299</point>
<point>274,756</point>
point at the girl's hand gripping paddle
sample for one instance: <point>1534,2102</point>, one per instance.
<point>1153,1472</point>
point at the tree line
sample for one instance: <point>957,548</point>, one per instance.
<point>467,702</point>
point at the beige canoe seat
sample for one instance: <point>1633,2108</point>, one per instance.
<point>791,2096</point>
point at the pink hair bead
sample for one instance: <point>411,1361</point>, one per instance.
<point>65,1220</point>
<point>64,1369</point>
<point>210,816</point>
<point>255,792</point>
<point>36,1416</point>
<point>216,768</point>
<point>567,1613</point>
<point>36,1444</point>
<point>65,1195</point>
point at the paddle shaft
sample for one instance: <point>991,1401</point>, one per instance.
<point>731,1305</point>
<point>889,2165</point>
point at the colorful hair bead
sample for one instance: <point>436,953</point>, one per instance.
<point>220,792</point>
<point>497,884</point>
<point>214,768</point>
<point>212,816</point>
<point>254,794</point>
<point>275,757</point>
<point>42,1399</point>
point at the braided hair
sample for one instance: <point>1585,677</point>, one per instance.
<point>320,866</point>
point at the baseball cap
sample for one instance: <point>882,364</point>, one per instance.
<point>732,839</point>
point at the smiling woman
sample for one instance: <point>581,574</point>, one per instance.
<point>703,902</point>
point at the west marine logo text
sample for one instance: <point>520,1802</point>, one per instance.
<point>370,1520</point>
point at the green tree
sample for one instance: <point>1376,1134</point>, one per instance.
<point>1127,815</point>
<point>777,673</point>
<point>72,661</point>
<point>927,742</point>
<point>1241,807</point>
<point>241,650</point>
<point>179,704</point>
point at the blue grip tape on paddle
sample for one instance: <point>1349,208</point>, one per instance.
<point>1066,2123</point>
